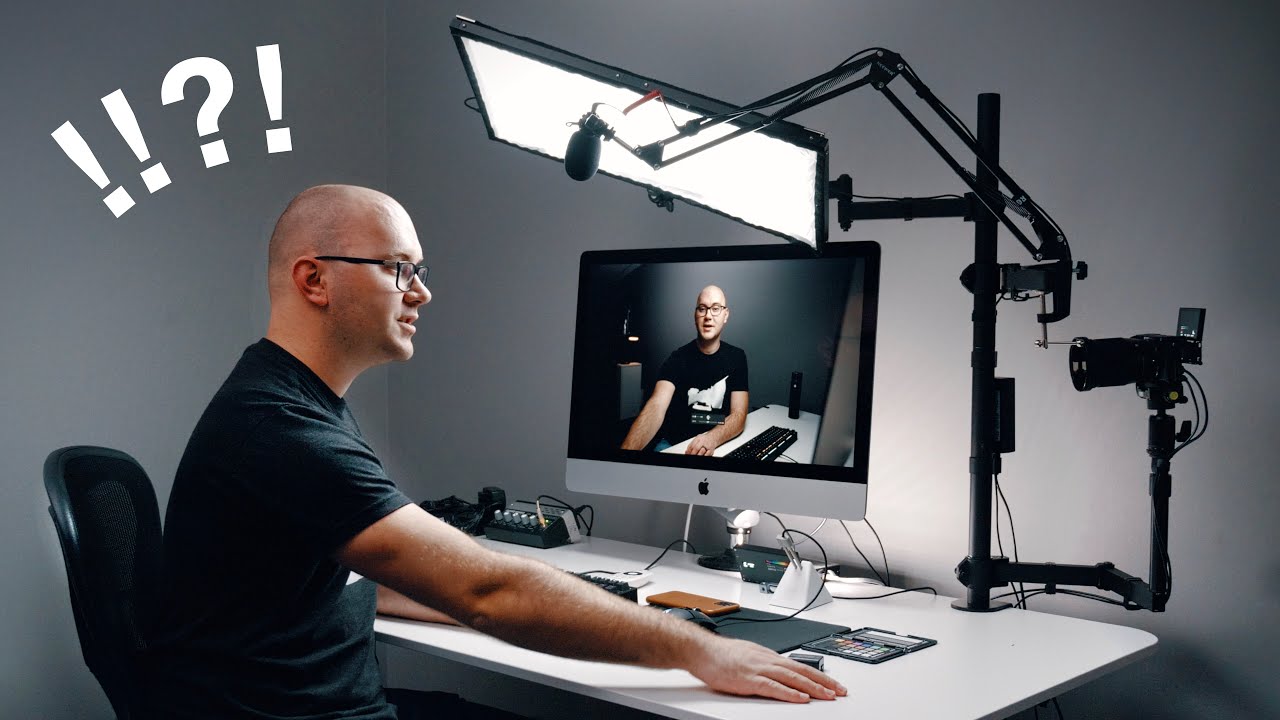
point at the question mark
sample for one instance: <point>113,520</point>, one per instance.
<point>220,87</point>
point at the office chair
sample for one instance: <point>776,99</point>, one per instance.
<point>108,523</point>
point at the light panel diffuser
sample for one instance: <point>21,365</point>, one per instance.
<point>532,96</point>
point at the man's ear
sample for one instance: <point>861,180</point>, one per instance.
<point>309,281</point>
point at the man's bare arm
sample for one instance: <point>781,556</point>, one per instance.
<point>393,603</point>
<point>707,442</point>
<point>650,418</point>
<point>534,605</point>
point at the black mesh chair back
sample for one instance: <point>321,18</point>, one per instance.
<point>104,508</point>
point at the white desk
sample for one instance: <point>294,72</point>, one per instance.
<point>984,665</point>
<point>761,419</point>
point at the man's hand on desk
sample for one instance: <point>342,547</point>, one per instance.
<point>739,667</point>
<point>701,445</point>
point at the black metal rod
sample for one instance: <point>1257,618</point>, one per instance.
<point>986,288</point>
<point>908,209</point>
<point>1160,436</point>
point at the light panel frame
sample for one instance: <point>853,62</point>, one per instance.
<point>680,179</point>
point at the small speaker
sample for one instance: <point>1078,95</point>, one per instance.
<point>793,405</point>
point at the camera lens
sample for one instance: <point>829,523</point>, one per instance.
<point>1105,363</point>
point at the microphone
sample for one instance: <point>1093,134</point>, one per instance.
<point>582,156</point>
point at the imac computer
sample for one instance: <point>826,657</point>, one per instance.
<point>764,351</point>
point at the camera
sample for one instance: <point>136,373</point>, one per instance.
<point>1152,362</point>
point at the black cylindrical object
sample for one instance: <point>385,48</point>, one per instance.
<point>986,290</point>
<point>582,157</point>
<point>793,404</point>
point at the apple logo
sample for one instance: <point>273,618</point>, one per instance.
<point>704,487</point>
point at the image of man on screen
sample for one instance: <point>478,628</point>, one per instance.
<point>701,391</point>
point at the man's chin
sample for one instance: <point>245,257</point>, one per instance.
<point>400,351</point>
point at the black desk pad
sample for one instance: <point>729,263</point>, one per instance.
<point>777,636</point>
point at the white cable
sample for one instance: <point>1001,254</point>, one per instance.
<point>814,533</point>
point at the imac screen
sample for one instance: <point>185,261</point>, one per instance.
<point>730,363</point>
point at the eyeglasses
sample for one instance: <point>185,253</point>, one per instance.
<point>714,310</point>
<point>404,270</point>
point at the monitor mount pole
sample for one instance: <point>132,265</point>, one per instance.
<point>983,278</point>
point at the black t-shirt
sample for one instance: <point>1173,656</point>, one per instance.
<point>256,619</point>
<point>702,381</point>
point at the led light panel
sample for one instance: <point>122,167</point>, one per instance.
<point>532,95</point>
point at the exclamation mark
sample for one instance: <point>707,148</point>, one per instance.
<point>127,124</point>
<point>278,139</point>
<point>78,150</point>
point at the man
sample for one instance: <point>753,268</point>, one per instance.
<point>698,377</point>
<point>278,497</point>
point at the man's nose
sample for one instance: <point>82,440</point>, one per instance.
<point>418,293</point>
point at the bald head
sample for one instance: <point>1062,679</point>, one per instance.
<point>315,223</point>
<point>712,295</point>
<point>341,315</point>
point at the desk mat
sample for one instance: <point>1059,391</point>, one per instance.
<point>780,636</point>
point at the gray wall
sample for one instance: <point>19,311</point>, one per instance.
<point>117,331</point>
<point>1145,128</point>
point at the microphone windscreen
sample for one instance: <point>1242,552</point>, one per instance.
<point>582,157</point>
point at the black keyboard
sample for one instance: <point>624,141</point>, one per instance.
<point>766,446</point>
<point>617,588</point>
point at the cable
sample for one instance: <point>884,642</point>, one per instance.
<point>921,588</point>
<point>692,549</point>
<point>996,501</point>
<point>1195,403</point>
<point>825,563</point>
<point>784,527</point>
<point>469,106</point>
<point>888,576</point>
<point>879,577</point>
<point>1013,531</point>
<point>1091,596</point>
<point>775,519</point>
<point>1202,427</point>
<point>882,578</point>
<point>1062,591</point>
<point>577,511</point>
